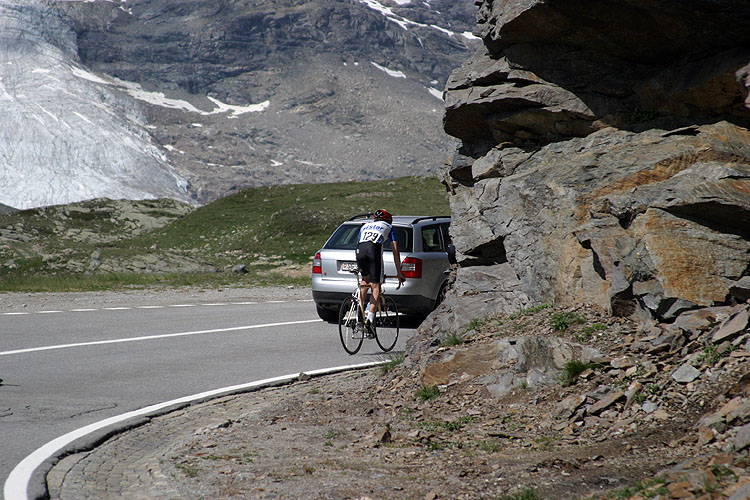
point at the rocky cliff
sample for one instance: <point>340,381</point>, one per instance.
<point>197,99</point>
<point>604,158</point>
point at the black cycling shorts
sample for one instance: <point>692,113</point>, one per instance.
<point>370,260</point>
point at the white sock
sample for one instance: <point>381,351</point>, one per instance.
<point>370,316</point>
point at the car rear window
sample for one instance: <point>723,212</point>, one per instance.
<point>345,238</point>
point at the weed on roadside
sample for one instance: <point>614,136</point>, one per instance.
<point>393,361</point>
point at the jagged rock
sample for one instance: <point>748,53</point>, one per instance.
<point>735,325</point>
<point>742,438</point>
<point>605,171</point>
<point>686,373</point>
<point>605,402</point>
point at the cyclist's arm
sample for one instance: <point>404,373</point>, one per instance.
<point>397,261</point>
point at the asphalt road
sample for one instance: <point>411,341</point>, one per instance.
<point>73,365</point>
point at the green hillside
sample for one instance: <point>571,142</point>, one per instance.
<point>273,231</point>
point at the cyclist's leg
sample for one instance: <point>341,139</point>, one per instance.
<point>375,297</point>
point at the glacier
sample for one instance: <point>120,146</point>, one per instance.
<point>64,138</point>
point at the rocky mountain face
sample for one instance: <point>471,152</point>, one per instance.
<point>194,99</point>
<point>604,158</point>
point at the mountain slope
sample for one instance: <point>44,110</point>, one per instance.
<point>228,95</point>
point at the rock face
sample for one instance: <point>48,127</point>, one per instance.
<point>210,97</point>
<point>605,158</point>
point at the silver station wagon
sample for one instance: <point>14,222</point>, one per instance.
<point>423,245</point>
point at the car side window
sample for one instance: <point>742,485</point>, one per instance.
<point>346,237</point>
<point>432,239</point>
<point>403,238</point>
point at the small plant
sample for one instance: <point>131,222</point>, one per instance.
<point>452,339</point>
<point>530,311</point>
<point>642,115</point>
<point>476,324</point>
<point>639,398</point>
<point>653,389</point>
<point>562,321</point>
<point>490,446</point>
<point>545,443</point>
<point>572,371</point>
<point>589,330</point>
<point>428,392</point>
<point>711,355</point>
<point>524,494</point>
<point>392,363</point>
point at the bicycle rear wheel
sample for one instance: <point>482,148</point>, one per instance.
<point>386,324</point>
<point>350,325</point>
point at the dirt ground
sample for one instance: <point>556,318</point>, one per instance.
<point>358,436</point>
<point>376,434</point>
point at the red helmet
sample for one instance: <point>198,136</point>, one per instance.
<point>383,215</point>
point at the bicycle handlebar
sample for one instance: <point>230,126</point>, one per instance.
<point>359,271</point>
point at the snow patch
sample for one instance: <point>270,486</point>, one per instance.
<point>159,99</point>
<point>389,72</point>
<point>406,23</point>
<point>437,93</point>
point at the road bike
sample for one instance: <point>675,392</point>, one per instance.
<point>352,331</point>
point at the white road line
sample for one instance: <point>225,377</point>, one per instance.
<point>17,483</point>
<point>212,304</point>
<point>154,337</point>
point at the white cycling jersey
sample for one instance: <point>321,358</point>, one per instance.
<point>376,232</point>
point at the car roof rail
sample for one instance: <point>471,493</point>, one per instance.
<point>362,216</point>
<point>418,219</point>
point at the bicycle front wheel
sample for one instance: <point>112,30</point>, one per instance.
<point>386,324</point>
<point>350,325</point>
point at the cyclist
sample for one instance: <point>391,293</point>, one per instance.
<point>372,235</point>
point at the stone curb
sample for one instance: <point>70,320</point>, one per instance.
<point>28,480</point>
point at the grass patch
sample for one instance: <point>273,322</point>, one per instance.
<point>530,311</point>
<point>490,446</point>
<point>572,370</point>
<point>562,321</point>
<point>428,392</point>
<point>267,229</point>
<point>524,494</point>
<point>393,362</point>
<point>452,339</point>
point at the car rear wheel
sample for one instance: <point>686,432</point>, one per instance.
<point>441,294</point>
<point>327,314</point>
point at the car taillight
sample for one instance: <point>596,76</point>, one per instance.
<point>412,267</point>
<point>317,265</point>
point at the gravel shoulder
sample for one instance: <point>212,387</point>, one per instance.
<point>19,302</point>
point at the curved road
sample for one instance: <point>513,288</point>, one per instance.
<point>71,366</point>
